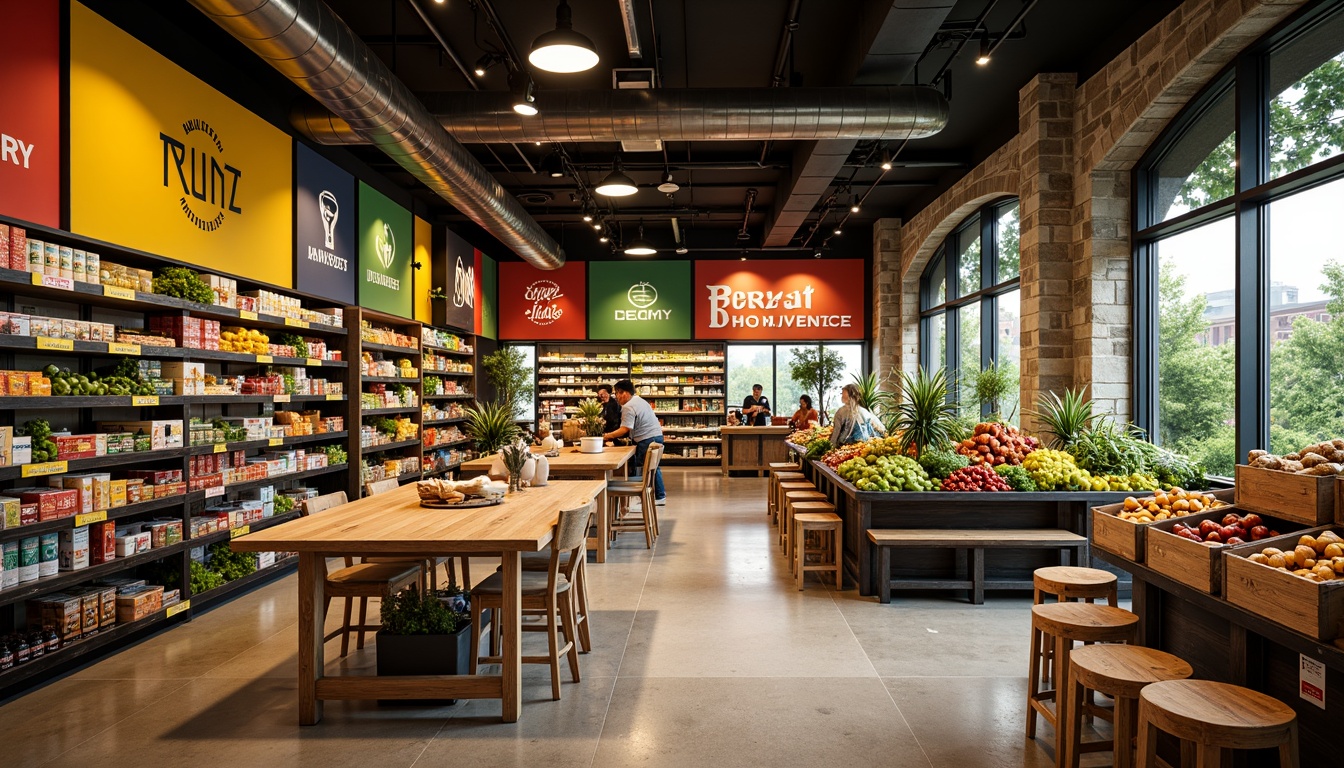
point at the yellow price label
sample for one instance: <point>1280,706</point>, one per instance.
<point>265,359</point>
<point>145,400</point>
<point>173,610</point>
<point>312,361</point>
<point>334,397</point>
<point>117,292</point>
<point>45,468</point>
<point>282,398</point>
<point>239,531</point>
<point>63,345</point>
<point>274,441</point>
<point>221,447</point>
<point>114,348</point>
<point>296,323</point>
<point>247,314</point>
<point>36,278</point>
<point>90,517</point>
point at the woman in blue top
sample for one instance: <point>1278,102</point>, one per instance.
<point>852,422</point>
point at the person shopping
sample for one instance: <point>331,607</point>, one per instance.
<point>756,408</point>
<point>611,410</point>
<point>640,424</point>
<point>805,415</point>
<point>852,422</point>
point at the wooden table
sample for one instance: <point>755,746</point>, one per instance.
<point>571,464</point>
<point>394,523</point>
<point>752,448</point>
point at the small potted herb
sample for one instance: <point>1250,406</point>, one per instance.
<point>425,634</point>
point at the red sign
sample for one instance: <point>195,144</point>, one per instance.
<point>773,300</point>
<point>30,120</point>
<point>542,304</point>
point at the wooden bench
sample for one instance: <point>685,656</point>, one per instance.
<point>977,541</point>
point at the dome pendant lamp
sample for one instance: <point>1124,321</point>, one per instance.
<point>616,184</point>
<point>640,246</point>
<point>562,49</point>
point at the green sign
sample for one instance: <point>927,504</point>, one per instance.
<point>385,247</point>
<point>487,324</point>
<point>629,300</point>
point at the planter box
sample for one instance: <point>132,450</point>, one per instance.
<point>1312,608</point>
<point>1125,537</point>
<point>1200,565</point>
<point>1306,499</point>
<point>400,655</point>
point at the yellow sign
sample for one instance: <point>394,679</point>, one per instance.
<point>265,359</point>
<point>162,162</point>
<point>117,292</point>
<point>173,610</point>
<point>423,307</point>
<point>145,400</point>
<point>113,348</point>
<point>334,397</point>
<point>240,531</point>
<point>63,345</point>
<point>247,314</point>
<point>296,323</point>
<point>44,469</point>
<point>221,447</point>
<point>282,398</point>
<point>274,441</point>
<point>90,517</point>
<point>312,361</point>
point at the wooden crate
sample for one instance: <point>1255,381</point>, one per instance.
<point>1199,565</point>
<point>1312,608</point>
<point>1306,499</point>
<point>1126,538</point>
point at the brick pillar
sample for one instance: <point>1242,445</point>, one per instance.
<point>1102,330</point>
<point>887,304</point>
<point>1046,147</point>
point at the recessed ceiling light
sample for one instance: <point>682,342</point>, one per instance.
<point>562,49</point>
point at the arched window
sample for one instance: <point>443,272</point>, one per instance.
<point>969,305</point>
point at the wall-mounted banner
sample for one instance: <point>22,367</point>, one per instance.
<point>542,304</point>
<point>628,300</point>
<point>458,281</point>
<point>324,217</point>
<point>769,300</point>
<point>422,278</point>
<point>487,297</point>
<point>30,121</point>
<point>162,162</point>
<point>385,244</point>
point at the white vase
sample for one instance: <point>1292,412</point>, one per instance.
<point>543,470</point>
<point>528,471</point>
<point>549,443</point>
<point>590,445</point>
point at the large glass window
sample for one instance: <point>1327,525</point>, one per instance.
<point>964,333</point>
<point>768,365</point>
<point>1245,289</point>
<point>748,365</point>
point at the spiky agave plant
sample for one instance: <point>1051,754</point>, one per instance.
<point>1065,417</point>
<point>924,417</point>
<point>876,399</point>
<point>491,425</point>
<point>590,416</point>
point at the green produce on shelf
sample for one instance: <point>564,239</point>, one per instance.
<point>231,565</point>
<point>335,454</point>
<point>1016,477</point>
<point>291,340</point>
<point>203,579</point>
<point>940,463</point>
<point>44,448</point>
<point>284,505</point>
<point>886,473</point>
<point>183,283</point>
<point>66,383</point>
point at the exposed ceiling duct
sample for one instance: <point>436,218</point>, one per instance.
<point>306,42</point>
<point>888,113</point>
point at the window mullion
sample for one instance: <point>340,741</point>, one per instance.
<point>1252,280</point>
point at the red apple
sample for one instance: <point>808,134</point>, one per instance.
<point>1251,520</point>
<point>1207,526</point>
<point>1235,540</point>
<point>1231,518</point>
<point>1227,532</point>
<point>1259,532</point>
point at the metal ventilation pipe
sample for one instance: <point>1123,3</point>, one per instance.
<point>306,42</point>
<point>887,113</point>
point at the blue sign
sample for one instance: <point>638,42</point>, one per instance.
<point>324,228</point>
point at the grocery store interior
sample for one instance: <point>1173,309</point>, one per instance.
<point>619,382</point>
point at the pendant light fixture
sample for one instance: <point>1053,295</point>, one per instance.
<point>640,246</point>
<point>616,184</point>
<point>524,100</point>
<point>553,165</point>
<point>668,185</point>
<point>562,49</point>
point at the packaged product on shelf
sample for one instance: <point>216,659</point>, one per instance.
<point>172,530</point>
<point>9,556</point>
<point>74,549</point>
<point>51,260</point>
<point>9,512</point>
<point>161,434</point>
<point>131,542</point>
<point>79,446</point>
<point>29,554</point>
<point>48,554</point>
<point>67,262</point>
<point>118,493</point>
<point>77,260</point>
<point>158,533</point>
<point>102,542</point>
<point>134,491</point>
<point>6,441</point>
<point>135,603</point>
<point>4,246</point>
<point>62,610</point>
<point>18,248</point>
<point>35,250</point>
<point>21,449</point>
<point>52,503</point>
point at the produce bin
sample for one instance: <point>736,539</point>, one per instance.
<point>1312,608</point>
<point>1200,565</point>
<point>1306,499</point>
<point>1126,537</point>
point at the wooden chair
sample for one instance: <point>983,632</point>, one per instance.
<point>1121,672</point>
<point>375,487</point>
<point>549,594</point>
<point>540,562</point>
<point>623,517</point>
<point>363,580</point>
<point>1215,717</point>
<point>1066,583</point>
<point>782,490</point>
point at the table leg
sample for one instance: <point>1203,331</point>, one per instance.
<point>312,623</point>
<point>603,520</point>
<point>511,619</point>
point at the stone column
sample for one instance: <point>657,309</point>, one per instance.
<point>887,350</point>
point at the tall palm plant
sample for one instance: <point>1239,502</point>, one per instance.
<point>876,399</point>
<point>491,425</point>
<point>924,416</point>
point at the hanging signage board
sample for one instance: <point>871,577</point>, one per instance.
<point>458,282</point>
<point>804,300</point>
<point>162,162</point>
<point>385,242</point>
<point>30,121</point>
<point>487,297</point>
<point>542,304</point>
<point>324,217</point>
<point>632,300</point>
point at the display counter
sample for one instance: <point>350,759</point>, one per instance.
<point>753,449</point>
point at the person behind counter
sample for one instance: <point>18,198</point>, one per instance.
<point>611,410</point>
<point>756,408</point>
<point>852,422</point>
<point>639,423</point>
<point>805,415</point>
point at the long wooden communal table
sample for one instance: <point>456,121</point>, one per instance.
<point>394,523</point>
<point>572,464</point>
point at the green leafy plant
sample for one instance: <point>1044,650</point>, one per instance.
<point>1106,448</point>
<point>993,385</point>
<point>924,417</point>
<point>817,369</point>
<point>203,579</point>
<point>1016,477</point>
<point>490,425</point>
<point>1064,417</point>
<point>506,370</point>
<point>385,425</point>
<point>590,416</point>
<point>940,463</point>
<point>283,505</point>
<point>412,612</point>
<point>231,565</point>
<point>335,455</point>
<point>183,283</point>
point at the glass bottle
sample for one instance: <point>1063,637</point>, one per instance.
<point>21,650</point>
<point>37,647</point>
<point>53,640</point>
<point>6,655</point>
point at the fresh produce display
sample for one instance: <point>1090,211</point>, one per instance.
<point>65,383</point>
<point>886,473</point>
<point>183,283</point>
<point>1177,502</point>
<point>1016,477</point>
<point>283,505</point>
<point>995,443</point>
<point>44,448</point>
<point>335,455</point>
<point>837,456</point>
<point>203,579</point>
<point>818,448</point>
<point>806,437</point>
<point>1318,558</point>
<point>1326,458</point>
<point>1235,529</point>
<point>249,341</point>
<point>1134,482</point>
<point>977,477</point>
<point>1054,470</point>
<point>940,464</point>
<point>229,564</point>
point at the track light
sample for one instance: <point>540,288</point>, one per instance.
<point>484,64</point>
<point>838,231</point>
<point>587,215</point>
<point>640,246</point>
<point>817,255</point>
<point>743,257</point>
<point>682,250</point>
<point>668,186</point>
<point>562,49</point>
<point>855,207</point>
<point>597,225</point>
<point>983,58</point>
<point>616,184</point>
<point>606,234</point>
<point>524,100</point>
<point>886,160</point>
<point>553,165</point>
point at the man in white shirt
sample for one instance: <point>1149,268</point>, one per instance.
<point>641,425</point>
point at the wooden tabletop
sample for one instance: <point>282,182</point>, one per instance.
<point>612,458</point>
<point>395,523</point>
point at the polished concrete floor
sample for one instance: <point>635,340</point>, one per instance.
<point>705,655</point>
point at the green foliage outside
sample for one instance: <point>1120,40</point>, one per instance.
<point>509,373</point>
<point>816,370</point>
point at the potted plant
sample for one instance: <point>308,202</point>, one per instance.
<point>518,461</point>
<point>590,418</point>
<point>924,417</point>
<point>424,634</point>
<point>817,369</point>
<point>491,426</point>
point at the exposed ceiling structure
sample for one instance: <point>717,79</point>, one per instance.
<point>678,131</point>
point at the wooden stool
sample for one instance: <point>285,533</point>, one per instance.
<point>817,516</point>
<point>1119,671</point>
<point>786,515</point>
<point>1066,624</point>
<point>1215,716</point>
<point>772,493</point>
<point>1069,582</point>
<point>784,486</point>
